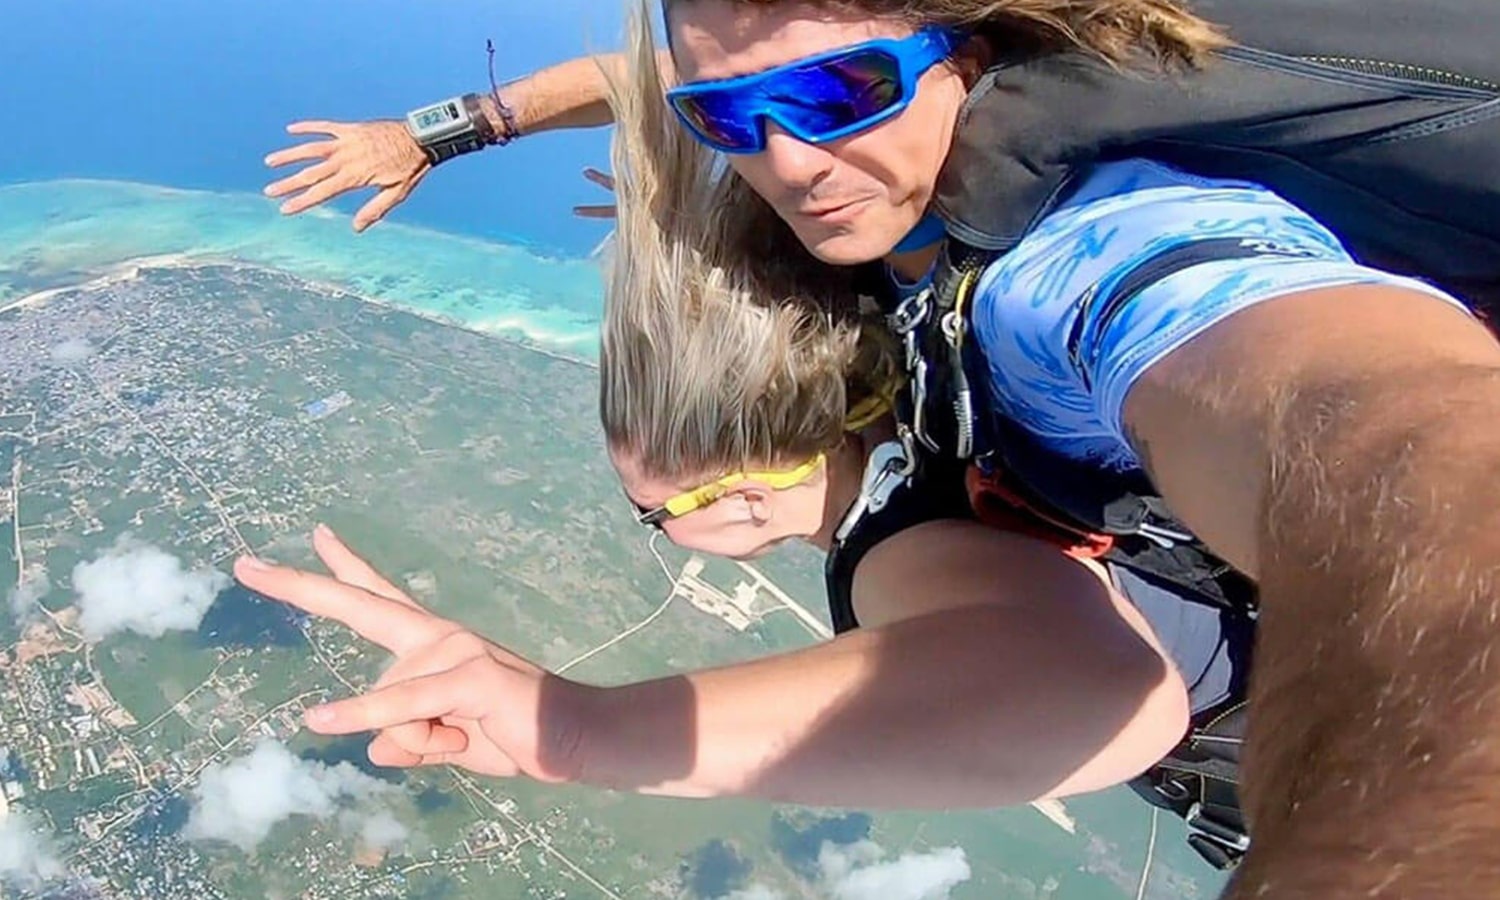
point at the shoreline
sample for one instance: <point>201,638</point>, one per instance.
<point>131,269</point>
<point>543,252</point>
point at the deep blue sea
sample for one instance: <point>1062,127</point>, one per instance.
<point>193,94</point>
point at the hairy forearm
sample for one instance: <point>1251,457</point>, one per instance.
<point>1373,762</point>
<point>924,713</point>
<point>573,94</point>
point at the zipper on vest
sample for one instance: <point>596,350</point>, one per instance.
<point>1413,82</point>
<point>1387,69</point>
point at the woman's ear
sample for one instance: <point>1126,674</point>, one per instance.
<point>757,502</point>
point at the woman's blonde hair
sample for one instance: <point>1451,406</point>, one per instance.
<point>714,359</point>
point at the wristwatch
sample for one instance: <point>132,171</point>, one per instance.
<point>451,128</point>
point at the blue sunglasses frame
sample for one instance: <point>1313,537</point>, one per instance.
<point>754,97</point>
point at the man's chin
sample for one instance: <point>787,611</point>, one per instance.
<point>845,246</point>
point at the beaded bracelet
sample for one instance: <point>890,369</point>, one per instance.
<point>507,115</point>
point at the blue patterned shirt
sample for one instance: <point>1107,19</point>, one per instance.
<point>1140,259</point>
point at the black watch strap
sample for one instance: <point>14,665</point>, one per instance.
<point>481,134</point>
<point>440,153</point>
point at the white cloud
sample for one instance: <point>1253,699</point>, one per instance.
<point>859,871</point>
<point>72,350</point>
<point>137,587</point>
<point>241,801</point>
<point>378,829</point>
<point>22,598</point>
<point>27,855</point>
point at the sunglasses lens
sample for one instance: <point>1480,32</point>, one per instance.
<point>839,94</point>
<point>719,120</point>
<point>816,101</point>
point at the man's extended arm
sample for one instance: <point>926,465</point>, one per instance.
<point>573,94</point>
<point>1342,443</point>
<point>383,155</point>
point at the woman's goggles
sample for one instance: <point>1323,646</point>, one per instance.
<point>818,99</point>
<point>688,501</point>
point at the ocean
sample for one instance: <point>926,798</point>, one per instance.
<point>194,95</point>
<point>54,232</point>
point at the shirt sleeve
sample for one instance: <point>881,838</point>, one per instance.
<point>1132,320</point>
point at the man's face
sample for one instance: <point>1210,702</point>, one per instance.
<point>850,201</point>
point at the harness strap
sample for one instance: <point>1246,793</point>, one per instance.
<point>998,504</point>
<point>1199,781</point>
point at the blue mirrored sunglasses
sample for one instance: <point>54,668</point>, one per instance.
<point>817,99</point>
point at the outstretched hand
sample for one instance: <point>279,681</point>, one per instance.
<point>380,154</point>
<point>451,697</point>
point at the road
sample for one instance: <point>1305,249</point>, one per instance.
<point>812,623</point>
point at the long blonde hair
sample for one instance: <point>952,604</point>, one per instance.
<point>714,359</point>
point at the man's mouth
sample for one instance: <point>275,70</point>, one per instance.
<point>834,213</point>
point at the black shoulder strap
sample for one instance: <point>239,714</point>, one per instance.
<point>935,490</point>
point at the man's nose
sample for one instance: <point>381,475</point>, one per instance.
<point>795,163</point>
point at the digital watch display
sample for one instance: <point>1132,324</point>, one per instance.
<point>440,121</point>
<point>449,128</point>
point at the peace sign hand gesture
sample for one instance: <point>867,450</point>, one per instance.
<point>451,697</point>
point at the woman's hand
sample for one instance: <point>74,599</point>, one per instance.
<point>380,154</point>
<point>599,210</point>
<point>451,697</point>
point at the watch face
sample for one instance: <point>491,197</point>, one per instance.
<point>436,116</point>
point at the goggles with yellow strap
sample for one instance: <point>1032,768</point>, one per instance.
<point>859,416</point>
<point>697,498</point>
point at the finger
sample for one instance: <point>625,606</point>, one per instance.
<point>318,126</point>
<point>304,178</point>
<point>394,626</point>
<point>350,568</point>
<point>301,152</point>
<point>321,192</point>
<point>379,205</point>
<point>384,751</point>
<point>426,738</point>
<point>603,211</point>
<point>599,177</point>
<point>457,692</point>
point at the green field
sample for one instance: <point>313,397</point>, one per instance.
<point>472,471</point>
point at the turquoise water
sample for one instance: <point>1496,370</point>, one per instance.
<point>50,231</point>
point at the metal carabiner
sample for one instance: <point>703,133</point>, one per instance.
<point>954,328</point>
<point>889,468</point>
<point>912,312</point>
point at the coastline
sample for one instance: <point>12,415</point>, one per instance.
<point>62,233</point>
<point>129,270</point>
